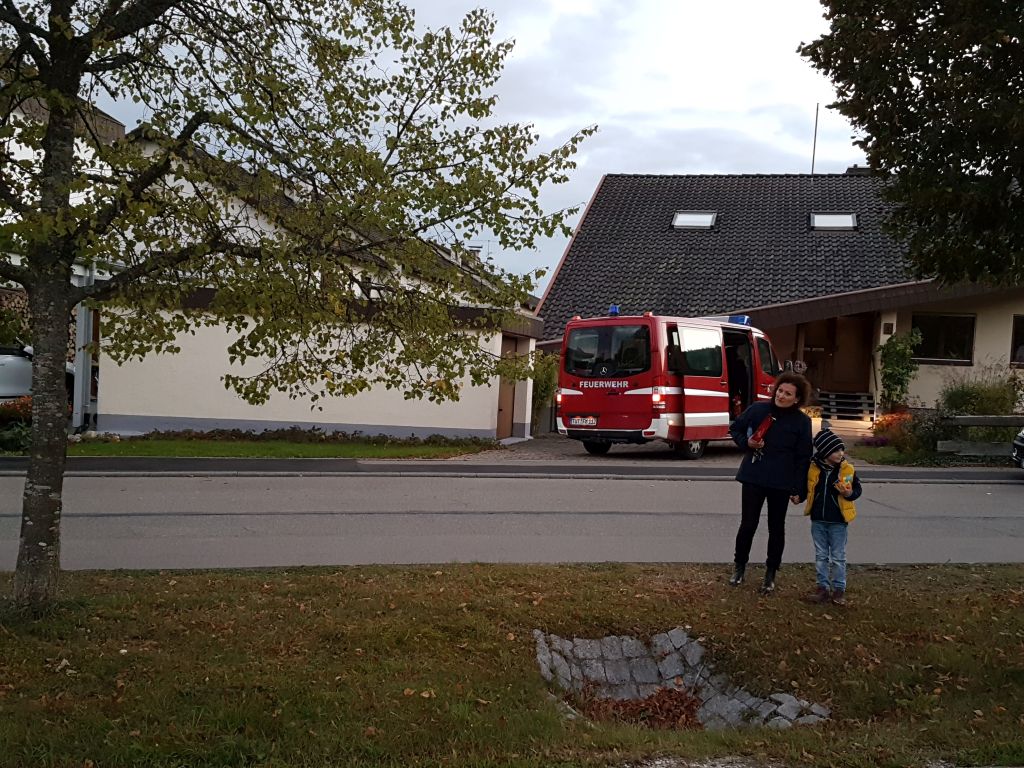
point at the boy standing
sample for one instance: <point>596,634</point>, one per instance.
<point>832,487</point>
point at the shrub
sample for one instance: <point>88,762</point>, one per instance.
<point>545,382</point>
<point>15,437</point>
<point>988,390</point>
<point>898,367</point>
<point>17,411</point>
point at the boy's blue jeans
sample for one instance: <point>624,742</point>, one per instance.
<point>830,549</point>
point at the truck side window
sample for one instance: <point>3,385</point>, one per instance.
<point>769,364</point>
<point>702,351</point>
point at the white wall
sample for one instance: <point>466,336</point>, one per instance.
<point>993,328</point>
<point>185,391</point>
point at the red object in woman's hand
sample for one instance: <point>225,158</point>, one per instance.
<point>762,428</point>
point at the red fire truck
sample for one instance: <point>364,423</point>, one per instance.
<point>677,379</point>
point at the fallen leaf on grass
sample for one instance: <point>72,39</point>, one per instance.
<point>370,731</point>
<point>408,692</point>
<point>428,694</point>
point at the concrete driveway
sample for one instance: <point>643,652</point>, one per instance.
<point>553,448</point>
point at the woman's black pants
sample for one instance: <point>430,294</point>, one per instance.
<point>754,497</point>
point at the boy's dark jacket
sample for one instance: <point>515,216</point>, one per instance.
<point>824,502</point>
<point>787,448</point>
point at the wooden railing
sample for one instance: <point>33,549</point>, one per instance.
<point>975,448</point>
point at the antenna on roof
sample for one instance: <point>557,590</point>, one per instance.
<point>814,145</point>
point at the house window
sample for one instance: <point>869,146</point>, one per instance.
<point>694,219</point>
<point>1017,342</point>
<point>834,221</point>
<point>945,339</point>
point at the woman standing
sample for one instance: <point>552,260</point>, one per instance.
<point>777,436</point>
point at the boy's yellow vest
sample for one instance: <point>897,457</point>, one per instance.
<point>846,507</point>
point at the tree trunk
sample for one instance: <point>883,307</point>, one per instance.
<point>35,578</point>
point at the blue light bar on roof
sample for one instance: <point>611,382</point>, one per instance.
<point>613,310</point>
<point>740,319</point>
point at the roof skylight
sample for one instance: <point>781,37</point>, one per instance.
<point>694,219</point>
<point>835,221</point>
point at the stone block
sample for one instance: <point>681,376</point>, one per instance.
<point>661,646</point>
<point>586,649</point>
<point>671,666</point>
<point>766,709</point>
<point>779,724</point>
<point>560,644</point>
<point>785,698</point>
<point>632,648</point>
<point>678,637</point>
<point>644,670</point>
<point>543,655</point>
<point>623,692</point>
<point>611,647</point>
<point>617,671</point>
<point>821,711</point>
<point>752,701</point>
<point>724,708</point>
<point>719,682</point>
<point>563,675</point>
<point>645,690</point>
<point>694,653</point>
<point>790,711</point>
<point>593,670</point>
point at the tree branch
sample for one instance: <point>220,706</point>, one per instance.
<point>136,17</point>
<point>126,277</point>
<point>101,223</point>
<point>14,274</point>
<point>9,13</point>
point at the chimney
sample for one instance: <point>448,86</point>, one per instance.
<point>858,170</point>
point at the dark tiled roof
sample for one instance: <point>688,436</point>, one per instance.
<point>760,252</point>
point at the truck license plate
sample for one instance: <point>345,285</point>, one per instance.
<point>583,421</point>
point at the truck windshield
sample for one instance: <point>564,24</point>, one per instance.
<point>608,350</point>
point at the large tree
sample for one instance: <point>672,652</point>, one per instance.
<point>300,163</point>
<point>936,90</point>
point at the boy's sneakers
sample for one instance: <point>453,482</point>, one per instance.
<point>768,586</point>
<point>818,596</point>
<point>839,598</point>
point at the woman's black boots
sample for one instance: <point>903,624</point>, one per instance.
<point>737,575</point>
<point>769,581</point>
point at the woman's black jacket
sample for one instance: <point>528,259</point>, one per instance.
<point>786,456</point>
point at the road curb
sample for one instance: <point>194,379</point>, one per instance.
<point>920,479</point>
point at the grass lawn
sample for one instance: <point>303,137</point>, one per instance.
<point>886,454</point>
<point>281,449</point>
<point>434,666</point>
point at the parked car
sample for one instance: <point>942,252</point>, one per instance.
<point>16,372</point>
<point>1018,449</point>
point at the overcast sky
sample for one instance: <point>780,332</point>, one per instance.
<point>675,86</point>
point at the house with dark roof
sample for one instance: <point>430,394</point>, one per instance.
<point>805,256</point>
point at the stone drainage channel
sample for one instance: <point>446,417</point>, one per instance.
<point>625,668</point>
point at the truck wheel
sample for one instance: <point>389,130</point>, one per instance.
<point>596,448</point>
<point>691,449</point>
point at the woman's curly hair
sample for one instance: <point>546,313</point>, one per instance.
<point>803,387</point>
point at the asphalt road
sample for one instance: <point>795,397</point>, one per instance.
<point>373,517</point>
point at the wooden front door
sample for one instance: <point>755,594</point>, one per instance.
<point>850,368</point>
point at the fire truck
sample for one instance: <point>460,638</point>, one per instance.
<point>681,380</point>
